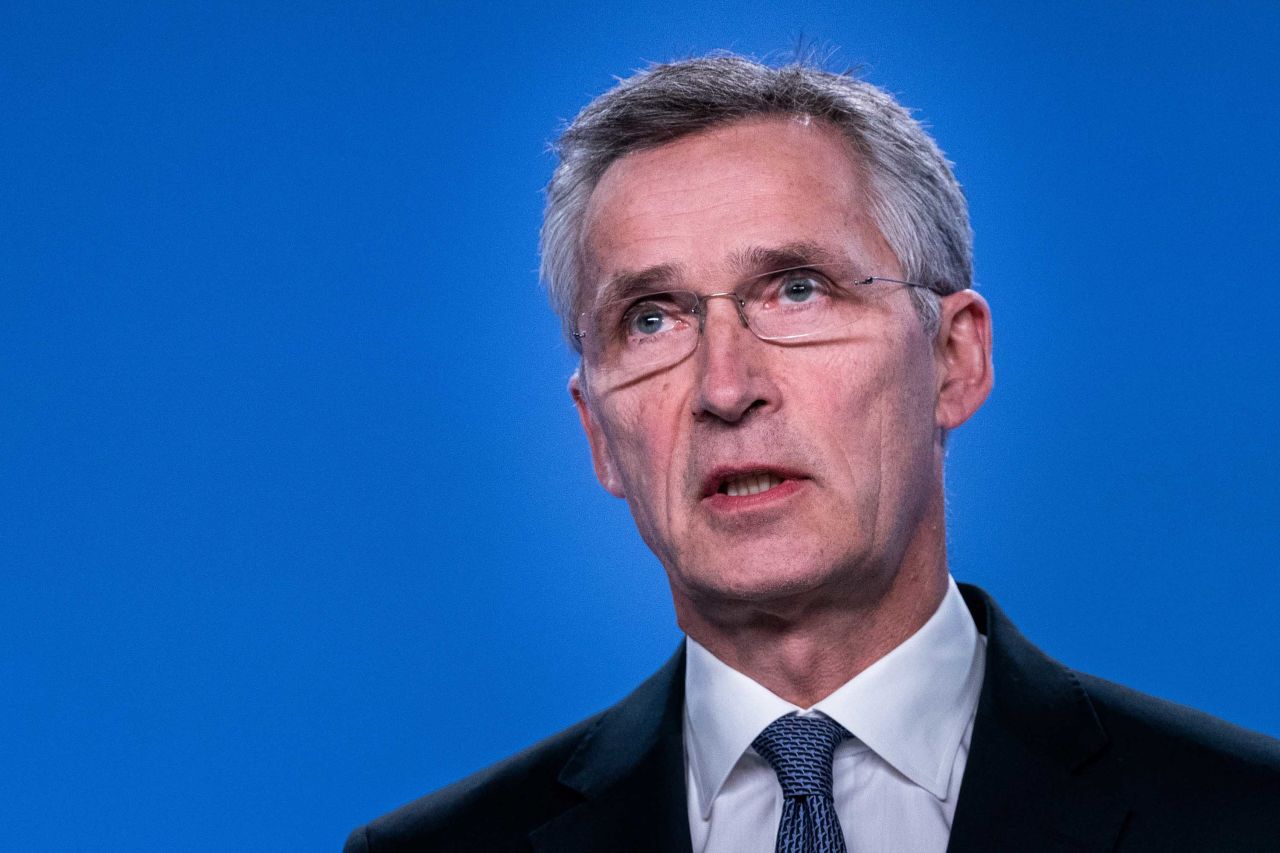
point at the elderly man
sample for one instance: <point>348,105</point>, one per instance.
<point>767,273</point>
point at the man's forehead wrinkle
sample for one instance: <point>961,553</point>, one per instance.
<point>638,211</point>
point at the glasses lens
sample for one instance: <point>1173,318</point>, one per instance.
<point>635,335</point>
<point>804,303</point>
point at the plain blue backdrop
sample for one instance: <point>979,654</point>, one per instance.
<point>297,522</point>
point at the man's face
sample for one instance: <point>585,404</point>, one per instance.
<point>843,432</point>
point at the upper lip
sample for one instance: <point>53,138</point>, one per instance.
<point>721,473</point>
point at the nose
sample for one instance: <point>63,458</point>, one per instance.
<point>733,378</point>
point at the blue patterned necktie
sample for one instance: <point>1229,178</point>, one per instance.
<point>800,750</point>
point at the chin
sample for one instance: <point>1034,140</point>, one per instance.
<point>756,582</point>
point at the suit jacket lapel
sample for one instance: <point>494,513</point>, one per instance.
<point>1032,781</point>
<point>630,772</point>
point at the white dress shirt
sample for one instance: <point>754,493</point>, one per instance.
<point>896,780</point>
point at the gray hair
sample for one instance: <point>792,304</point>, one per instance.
<point>915,199</point>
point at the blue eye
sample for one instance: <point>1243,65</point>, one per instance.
<point>646,322</point>
<point>648,318</point>
<point>799,289</point>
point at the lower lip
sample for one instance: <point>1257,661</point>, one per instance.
<point>723,503</point>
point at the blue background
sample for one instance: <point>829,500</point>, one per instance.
<point>297,523</point>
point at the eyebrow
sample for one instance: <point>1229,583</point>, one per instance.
<point>751,261</point>
<point>755,260</point>
<point>626,284</point>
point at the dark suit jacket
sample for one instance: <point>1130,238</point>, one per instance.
<point>1059,761</point>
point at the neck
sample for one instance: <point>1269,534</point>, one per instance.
<point>806,647</point>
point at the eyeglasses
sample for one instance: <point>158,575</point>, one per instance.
<point>629,338</point>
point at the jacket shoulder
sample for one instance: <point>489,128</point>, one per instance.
<point>1054,747</point>
<point>1140,732</point>
<point>1137,724</point>
<point>1187,775</point>
<point>499,807</point>
<point>492,809</point>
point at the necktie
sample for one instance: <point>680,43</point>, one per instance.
<point>800,750</point>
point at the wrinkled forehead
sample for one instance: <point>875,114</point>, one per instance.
<point>694,208</point>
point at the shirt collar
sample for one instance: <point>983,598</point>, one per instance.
<point>911,707</point>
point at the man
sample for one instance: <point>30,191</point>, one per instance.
<point>767,273</point>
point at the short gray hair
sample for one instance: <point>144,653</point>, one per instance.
<point>915,199</point>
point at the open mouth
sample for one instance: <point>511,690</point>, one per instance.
<point>749,484</point>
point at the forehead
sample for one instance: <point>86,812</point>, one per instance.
<point>695,203</point>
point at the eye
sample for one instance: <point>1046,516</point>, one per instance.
<point>646,322</point>
<point>795,289</point>
<point>798,288</point>
<point>647,318</point>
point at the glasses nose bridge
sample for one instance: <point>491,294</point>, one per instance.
<point>739,304</point>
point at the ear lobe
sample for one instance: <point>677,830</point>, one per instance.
<point>606,471</point>
<point>963,351</point>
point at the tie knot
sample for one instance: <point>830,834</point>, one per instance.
<point>800,750</point>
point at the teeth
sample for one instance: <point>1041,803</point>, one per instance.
<point>751,484</point>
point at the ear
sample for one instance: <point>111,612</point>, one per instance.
<point>606,471</point>
<point>963,353</point>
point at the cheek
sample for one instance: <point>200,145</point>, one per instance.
<point>644,437</point>
<point>906,407</point>
<point>850,388</point>
<point>875,405</point>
